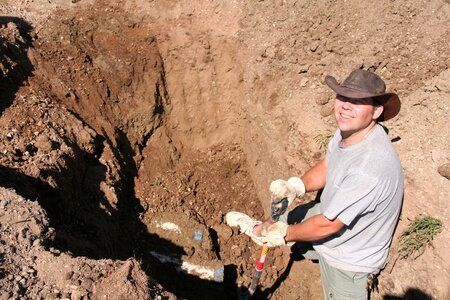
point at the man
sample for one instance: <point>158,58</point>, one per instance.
<point>351,228</point>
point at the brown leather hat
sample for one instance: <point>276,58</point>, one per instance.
<point>365,84</point>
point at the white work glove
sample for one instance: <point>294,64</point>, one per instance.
<point>298,185</point>
<point>272,235</point>
<point>290,189</point>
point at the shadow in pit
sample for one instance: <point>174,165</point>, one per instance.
<point>2,261</point>
<point>14,62</point>
<point>87,224</point>
<point>410,294</point>
<point>180,283</point>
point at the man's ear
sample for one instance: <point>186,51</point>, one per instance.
<point>378,111</point>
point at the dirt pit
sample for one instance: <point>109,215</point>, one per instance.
<point>129,130</point>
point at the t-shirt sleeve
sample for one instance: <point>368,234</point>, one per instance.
<point>354,197</point>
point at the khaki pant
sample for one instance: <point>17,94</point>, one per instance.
<point>336,283</point>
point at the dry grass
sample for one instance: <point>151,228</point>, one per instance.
<point>414,240</point>
<point>322,139</point>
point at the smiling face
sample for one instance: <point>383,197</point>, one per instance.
<point>356,117</point>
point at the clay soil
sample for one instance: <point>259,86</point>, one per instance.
<point>130,128</point>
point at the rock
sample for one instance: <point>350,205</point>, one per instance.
<point>43,143</point>
<point>31,271</point>
<point>76,295</point>
<point>68,275</point>
<point>304,68</point>
<point>322,100</point>
<point>87,283</point>
<point>303,82</point>
<point>327,110</point>
<point>444,170</point>
<point>3,203</point>
<point>313,46</point>
<point>36,243</point>
<point>224,232</point>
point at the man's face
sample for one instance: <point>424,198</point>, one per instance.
<point>355,115</point>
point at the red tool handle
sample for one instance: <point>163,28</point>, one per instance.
<point>276,211</point>
<point>259,267</point>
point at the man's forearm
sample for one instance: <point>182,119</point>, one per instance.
<point>315,178</point>
<point>313,229</point>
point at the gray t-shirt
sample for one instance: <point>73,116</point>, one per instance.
<point>364,190</point>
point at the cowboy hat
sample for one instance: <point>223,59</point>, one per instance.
<point>365,84</point>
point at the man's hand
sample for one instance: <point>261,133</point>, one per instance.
<point>272,235</point>
<point>298,185</point>
<point>290,189</point>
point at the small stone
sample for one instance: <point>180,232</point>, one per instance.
<point>444,170</point>
<point>78,294</point>
<point>322,100</point>
<point>313,46</point>
<point>55,251</point>
<point>36,243</point>
<point>3,203</point>
<point>43,143</point>
<point>304,68</point>
<point>87,283</point>
<point>65,296</point>
<point>303,82</point>
<point>68,275</point>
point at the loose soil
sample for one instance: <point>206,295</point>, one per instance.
<point>129,129</point>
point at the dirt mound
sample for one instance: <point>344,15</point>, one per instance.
<point>31,267</point>
<point>130,129</point>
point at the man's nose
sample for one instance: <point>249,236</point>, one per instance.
<point>346,105</point>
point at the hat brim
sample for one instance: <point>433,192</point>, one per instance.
<point>390,101</point>
<point>391,106</point>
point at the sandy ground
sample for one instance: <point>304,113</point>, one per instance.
<point>130,129</point>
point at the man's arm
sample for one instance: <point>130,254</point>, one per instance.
<point>316,227</point>
<point>315,178</point>
<point>313,229</point>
